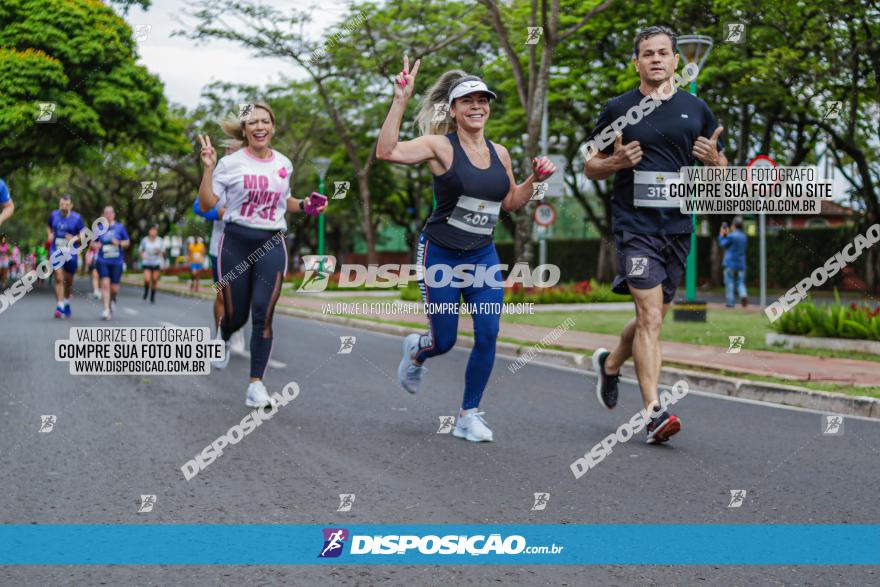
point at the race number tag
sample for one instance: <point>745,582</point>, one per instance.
<point>60,243</point>
<point>110,251</point>
<point>651,189</point>
<point>475,215</point>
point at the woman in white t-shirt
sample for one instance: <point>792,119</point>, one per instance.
<point>152,252</point>
<point>255,182</point>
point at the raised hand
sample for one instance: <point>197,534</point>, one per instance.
<point>208,154</point>
<point>705,149</point>
<point>628,155</point>
<point>406,80</point>
<point>542,168</point>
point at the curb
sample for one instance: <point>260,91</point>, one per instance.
<point>788,395</point>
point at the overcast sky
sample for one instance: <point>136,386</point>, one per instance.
<point>185,67</point>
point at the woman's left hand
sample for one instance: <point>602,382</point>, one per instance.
<point>542,168</point>
<point>319,210</point>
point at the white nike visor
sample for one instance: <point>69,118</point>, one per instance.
<point>470,86</point>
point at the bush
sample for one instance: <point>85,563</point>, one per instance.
<point>296,279</point>
<point>576,292</point>
<point>187,275</point>
<point>832,320</point>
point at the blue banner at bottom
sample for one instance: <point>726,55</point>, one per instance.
<point>523,544</point>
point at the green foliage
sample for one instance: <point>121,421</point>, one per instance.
<point>79,55</point>
<point>831,321</point>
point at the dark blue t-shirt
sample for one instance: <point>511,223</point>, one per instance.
<point>110,253</point>
<point>61,226</point>
<point>666,137</point>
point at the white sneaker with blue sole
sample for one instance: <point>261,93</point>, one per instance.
<point>409,375</point>
<point>471,426</point>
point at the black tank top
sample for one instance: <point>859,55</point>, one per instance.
<point>468,200</point>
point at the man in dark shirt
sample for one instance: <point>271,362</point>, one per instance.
<point>656,130</point>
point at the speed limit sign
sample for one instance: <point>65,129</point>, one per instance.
<point>545,214</point>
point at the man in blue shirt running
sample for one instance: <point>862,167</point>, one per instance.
<point>64,227</point>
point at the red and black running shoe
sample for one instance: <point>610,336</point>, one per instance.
<point>662,428</point>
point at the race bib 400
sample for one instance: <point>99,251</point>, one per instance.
<point>475,215</point>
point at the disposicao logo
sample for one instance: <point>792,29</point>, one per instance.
<point>334,541</point>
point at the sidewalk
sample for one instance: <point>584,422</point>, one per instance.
<point>767,363</point>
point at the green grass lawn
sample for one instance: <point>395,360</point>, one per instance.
<point>715,331</point>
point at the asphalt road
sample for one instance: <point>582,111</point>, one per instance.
<point>353,430</point>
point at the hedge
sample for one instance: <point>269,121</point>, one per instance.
<point>791,255</point>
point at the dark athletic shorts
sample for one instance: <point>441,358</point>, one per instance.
<point>646,260</point>
<point>111,270</point>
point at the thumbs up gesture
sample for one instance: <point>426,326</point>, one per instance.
<point>626,156</point>
<point>705,149</point>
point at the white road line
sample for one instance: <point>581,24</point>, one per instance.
<point>130,312</point>
<point>272,362</point>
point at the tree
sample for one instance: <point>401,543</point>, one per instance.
<point>79,56</point>
<point>532,82</point>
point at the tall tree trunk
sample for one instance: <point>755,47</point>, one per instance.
<point>369,229</point>
<point>607,264</point>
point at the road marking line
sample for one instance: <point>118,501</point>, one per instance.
<point>272,362</point>
<point>130,312</point>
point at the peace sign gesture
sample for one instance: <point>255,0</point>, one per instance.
<point>208,154</point>
<point>406,79</point>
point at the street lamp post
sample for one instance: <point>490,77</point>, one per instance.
<point>321,164</point>
<point>693,49</point>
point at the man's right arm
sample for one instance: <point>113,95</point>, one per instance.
<point>602,166</point>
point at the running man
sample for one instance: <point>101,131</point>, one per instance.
<point>652,237</point>
<point>152,253</point>
<point>110,261</point>
<point>7,206</point>
<point>255,183</point>
<point>64,226</point>
<point>473,181</point>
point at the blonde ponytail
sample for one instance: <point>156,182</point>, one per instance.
<point>433,117</point>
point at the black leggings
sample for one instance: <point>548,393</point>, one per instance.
<point>252,267</point>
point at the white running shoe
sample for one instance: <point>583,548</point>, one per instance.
<point>409,374</point>
<point>106,315</point>
<point>96,294</point>
<point>257,396</point>
<point>222,364</point>
<point>472,427</point>
<point>237,342</point>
